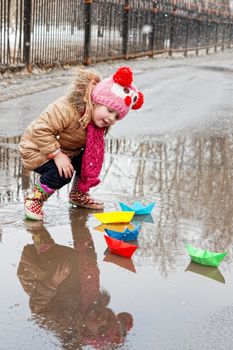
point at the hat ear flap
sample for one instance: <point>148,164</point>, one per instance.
<point>139,101</point>
<point>123,76</point>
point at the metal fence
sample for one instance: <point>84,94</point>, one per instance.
<point>48,32</point>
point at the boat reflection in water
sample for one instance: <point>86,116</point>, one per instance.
<point>119,260</point>
<point>207,271</point>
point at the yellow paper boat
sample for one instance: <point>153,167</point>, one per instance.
<point>115,217</point>
<point>114,227</point>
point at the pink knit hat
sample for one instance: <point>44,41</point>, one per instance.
<point>118,92</point>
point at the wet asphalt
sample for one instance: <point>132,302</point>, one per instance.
<point>176,151</point>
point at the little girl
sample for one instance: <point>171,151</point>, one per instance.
<point>67,139</point>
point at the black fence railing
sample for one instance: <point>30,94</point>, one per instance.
<point>48,32</point>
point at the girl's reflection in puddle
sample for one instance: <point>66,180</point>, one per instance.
<point>64,288</point>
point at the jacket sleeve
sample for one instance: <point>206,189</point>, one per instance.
<point>46,128</point>
<point>41,297</point>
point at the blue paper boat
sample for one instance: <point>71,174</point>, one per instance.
<point>138,208</point>
<point>126,236</point>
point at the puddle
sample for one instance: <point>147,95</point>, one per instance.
<point>65,290</point>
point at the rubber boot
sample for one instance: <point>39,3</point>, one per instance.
<point>81,199</point>
<point>33,204</point>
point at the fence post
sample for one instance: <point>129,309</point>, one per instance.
<point>230,32</point>
<point>152,32</point>
<point>172,30</point>
<point>199,21</point>
<point>207,34</point>
<point>87,33</point>
<point>216,34</point>
<point>223,35</point>
<point>188,19</point>
<point>27,33</point>
<point>125,29</point>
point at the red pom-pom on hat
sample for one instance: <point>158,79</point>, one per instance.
<point>123,76</point>
<point>126,320</point>
<point>139,101</point>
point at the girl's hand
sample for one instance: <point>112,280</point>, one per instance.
<point>64,165</point>
<point>61,273</point>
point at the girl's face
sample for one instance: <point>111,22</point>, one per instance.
<point>103,116</point>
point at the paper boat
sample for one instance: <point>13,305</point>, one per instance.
<point>119,247</point>
<point>127,235</point>
<point>207,271</point>
<point>205,257</point>
<point>138,208</point>
<point>114,216</point>
<point>120,261</point>
<point>114,227</point>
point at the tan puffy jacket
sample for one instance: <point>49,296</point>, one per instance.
<point>61,125</point>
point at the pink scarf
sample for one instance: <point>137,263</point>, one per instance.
<point>92,159</point>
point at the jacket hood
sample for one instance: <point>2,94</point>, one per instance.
<point>80,93</point>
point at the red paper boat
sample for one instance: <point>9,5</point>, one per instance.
<point>119,247</point>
